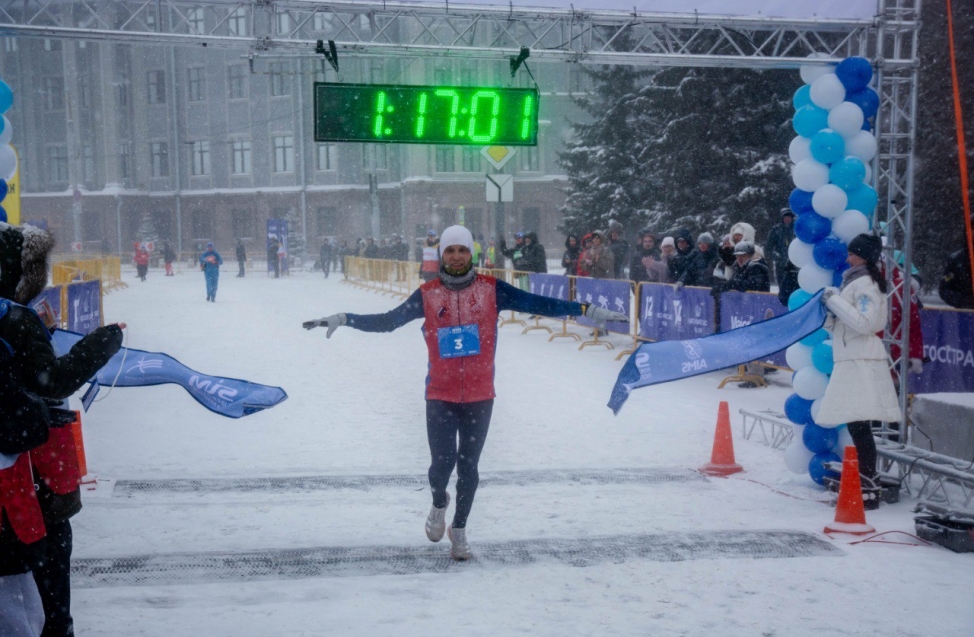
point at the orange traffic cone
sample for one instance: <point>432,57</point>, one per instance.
<point>850,515</point>
<point>722,458</point>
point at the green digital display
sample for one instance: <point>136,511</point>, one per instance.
<point>389,113</point>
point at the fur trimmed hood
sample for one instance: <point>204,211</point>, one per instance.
<point>24,251</point>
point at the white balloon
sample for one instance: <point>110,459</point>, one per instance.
<point>797,455</point>
<point>862,145</point>
<point>811,72</point>
<point>799,149</point>
<point>849,225</point>
<point>809,383</point>
<point>798,356</point>
<point>8,131</point>
<point>800,253</point>
<point>816,405</point>
<point>868,179</point>
<point>829,201</point>
<point>845,440</point>
<point>846,119</point>
<point>812,278</point>
<point>828,92</point>
<point>809,175</point>
<point>8,162</point>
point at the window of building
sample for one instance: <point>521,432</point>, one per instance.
<point>84,95</point>
<point>283,23</point>
<point>381,157</point>
<point>196,88</point>
<point>197,23</point>
<point>280,84</point>
<point>528,158</point>
<point>326,221</point>
<point>52,45</point>
<point>122,93</point>
<point>125,160</point>
<point>150,19</point>
<point>468,77</point>
<point>237,21</point>
<point>243,223</point>
<point>327,157</point>
<point>377,72</point>
<point>200,158</point>
<point>531,219</point>
<point>88,164</point>
<point>54,93</point>
<point>283,153</point>
<point>57,163</point>
<point>442,76</point>
<point>10,45</point>
<point>202,224</point>
<point>237,81</point>
<point>471,159</point>
<point>445,159</point>
<point>159,157</point>
<point>157,87</point>
<point>240,157</point>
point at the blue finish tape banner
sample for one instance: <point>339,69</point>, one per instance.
<point>604,293</point>
<point>666,314</point>
<point>654,363</point>
<point>948,348</point>
<point>739,309</point>
<point>553,286</point>
<point>228,397</point>
<point>84,306</point>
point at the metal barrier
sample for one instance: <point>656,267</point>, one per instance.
<point>775,432</point>
<point>107,269</point>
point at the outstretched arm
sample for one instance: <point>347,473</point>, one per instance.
<point>410,310</point>
<point>511,298</point>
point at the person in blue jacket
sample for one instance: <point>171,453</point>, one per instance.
<point>210,262</point>
<point>459,308</point>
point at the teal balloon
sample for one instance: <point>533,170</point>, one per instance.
<point>6,97</point>
<point>848,174</point>
<point>827,146</point>
<point>822,358</point>
<point>803,97</point>
<point>797,299</point>
<point>815,338</point>
<point>863,199</point>
<point>809,120</point>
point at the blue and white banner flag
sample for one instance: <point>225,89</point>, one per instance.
<point>661,362</point>
<point>228,397</point>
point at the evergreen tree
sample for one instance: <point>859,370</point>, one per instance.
<point>295,238</point>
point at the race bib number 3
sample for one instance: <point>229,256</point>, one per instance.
<point>462,340</point>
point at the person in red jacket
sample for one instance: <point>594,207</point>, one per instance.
<point>459,309</point>
<point>141,259</point>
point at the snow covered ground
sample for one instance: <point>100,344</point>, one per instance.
<point>586,523</point>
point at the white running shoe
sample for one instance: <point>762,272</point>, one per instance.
<point>436,521</point>
<point>460,550</point>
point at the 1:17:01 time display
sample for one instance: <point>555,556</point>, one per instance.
<point>425,114</point>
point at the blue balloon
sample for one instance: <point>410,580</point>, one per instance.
<point>866,99</point>
<point>800,201</point>
<point>815,338</point>
<point>864,199</point>
<point>812,227</point>
<point>866,126</point>
<point>798,410</point>
<point>817,470</point>
<point>819,439</point>
<point>797,299</point>
<point>6,97</point>
<point>3,215</point>
<point>803,97</point>
<point>847,173</point>
<point>854,73</point>
<point>829,253</point>
<point>3,189</point>
<point>827,146</point>
<point>809,120</point>
<point>822,358</point>
<point>837,274</point>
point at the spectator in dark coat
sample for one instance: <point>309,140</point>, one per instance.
<point>168,256</point>
<point>750,271</point>
<point>241,257</point>
<point>400,251</point>
<point>645,259</point>
<point>371,250</point>
<point>569,260</point>
<point>778,241</point>
<point>702,261</point>
<point>681,261</point>
<point>619,248</point>
<point>513,253</point>
<point>955,286</point>
<point>324,256</point>
<point>273,261</point>
<point>533,257</point>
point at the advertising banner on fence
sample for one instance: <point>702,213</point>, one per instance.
<point>136,368</point>
<point>666,314</point>
<point>84,306</point>
<point>608,294</point>
<point>553,286</point>
<point>948,350</point>
<point>664,361</point>
<point>739,309</point>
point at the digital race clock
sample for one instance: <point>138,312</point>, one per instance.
<point>426,114</point>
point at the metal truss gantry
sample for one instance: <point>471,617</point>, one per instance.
<point>375,28</point>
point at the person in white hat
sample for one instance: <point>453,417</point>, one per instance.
<point>459,309</point>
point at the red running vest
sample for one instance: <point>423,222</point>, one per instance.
<point>466,379</point>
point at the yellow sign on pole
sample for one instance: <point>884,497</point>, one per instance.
<point>11,203</point>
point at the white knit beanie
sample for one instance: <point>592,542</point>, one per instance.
<point>668,241</point>
<point>456,236</point>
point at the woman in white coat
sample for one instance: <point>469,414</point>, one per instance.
<point>861,388</point>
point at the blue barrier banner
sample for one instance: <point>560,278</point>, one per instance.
<point>604,293</point>
<point>228,397</point>
<point>666,314</point>
<point>739,309</point>
<point>948,344</point>
<point>84,306</point>
<point>553,286</point>
<point>664,361</point>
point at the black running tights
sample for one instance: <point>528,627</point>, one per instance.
<point>862,435</point>
<point>445,423</point>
